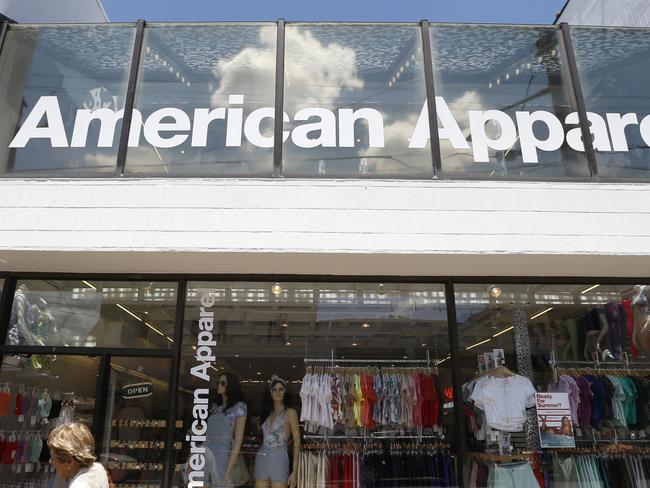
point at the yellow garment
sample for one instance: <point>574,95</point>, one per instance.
<point>358,397</point>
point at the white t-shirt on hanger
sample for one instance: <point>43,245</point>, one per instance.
<point>504,401</point>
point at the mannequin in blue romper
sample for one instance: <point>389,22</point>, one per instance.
<point>280,424</point>
<point>225,431</point>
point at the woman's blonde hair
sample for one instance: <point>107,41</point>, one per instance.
<point>73,442</point>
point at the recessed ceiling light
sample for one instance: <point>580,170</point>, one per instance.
<point>365,325</point>
<point>285,324</point>
<point>276,289</point>
<point>354,344</point>
<point>287,343</point>
<point>495,291</point>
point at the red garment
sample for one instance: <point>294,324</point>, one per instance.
<point>347,472</point>
<point>18,409</point>
<point>9,452</point>
<point>431,403</point>
<point>5,400</point>
<point>330,476</point>
<point>629,325</point>
<point>337,472</point>
<point>438,400</point>
<point>368,402</point>
<point>538,470</point>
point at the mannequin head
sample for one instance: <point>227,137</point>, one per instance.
<point>277,395</point>
<point>229,390</point>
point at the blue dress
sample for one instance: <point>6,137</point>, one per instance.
<point>219,437</point>
<point>272,460</point>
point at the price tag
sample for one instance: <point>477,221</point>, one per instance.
<point>578,432</point>
<point>642,434</point>
<point>19,468</point>
<point>32,420</point>
<point>21,418</point>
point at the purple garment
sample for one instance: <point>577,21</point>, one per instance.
<point>598,401</point>
<point>613,319</point>
<point>584,410</point>
<point>569,385</point>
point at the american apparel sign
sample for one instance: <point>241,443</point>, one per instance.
<point>170,127</point>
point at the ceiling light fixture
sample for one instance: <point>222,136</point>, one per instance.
<point>495,291</point>
<point>587,290</point>
<point>128,311</point>
<point>503,331</point>
<point>276,289</point>
<point>365,325</point>
<point>477,344</point>
<point>541,313</point>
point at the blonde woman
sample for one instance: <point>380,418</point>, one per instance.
<point>72,453</point>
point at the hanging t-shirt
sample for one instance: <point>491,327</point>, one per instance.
<point>569,386</point>
<point>504,401</point>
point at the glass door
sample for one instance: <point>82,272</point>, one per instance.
<point>135,427</point>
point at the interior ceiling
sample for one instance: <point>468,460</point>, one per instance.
<point>460,49</point>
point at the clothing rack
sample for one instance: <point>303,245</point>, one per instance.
<point>333,360</point>
<point>367,437</point>
<point>499,458</point>
<point>596,364</point>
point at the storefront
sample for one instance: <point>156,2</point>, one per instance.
<point>199,219</point>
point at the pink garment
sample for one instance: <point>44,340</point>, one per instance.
<point>569,385</point>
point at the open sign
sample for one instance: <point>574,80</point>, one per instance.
<point>137,390</point>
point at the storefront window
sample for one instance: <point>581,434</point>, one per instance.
<point>353,95</point>
<point>38,393</point>
<point>614,67</point>
<point>280,376</point>
<point>204,99</point>
<point>136,421</point>
<point>547,368</point>
<point>504,103</point>
<point>89,313</point>
<point>55,82</point>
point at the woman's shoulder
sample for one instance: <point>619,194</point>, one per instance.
<point>94,476</point>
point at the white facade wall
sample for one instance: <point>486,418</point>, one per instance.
<point>425,228</point>
<point>632,13</point>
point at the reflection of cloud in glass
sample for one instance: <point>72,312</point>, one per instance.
<point>247,71</point>
<point>322,73</point>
